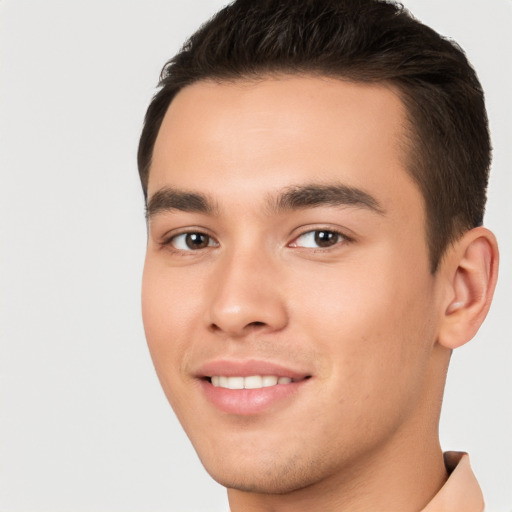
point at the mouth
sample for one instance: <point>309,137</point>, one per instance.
<point>250,387</point>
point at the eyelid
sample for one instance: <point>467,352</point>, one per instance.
<point>344,238</point>
<point>167,239</point>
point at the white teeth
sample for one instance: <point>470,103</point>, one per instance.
<point>235,382</point>
<point>251,382</point>
<point>269,380</point>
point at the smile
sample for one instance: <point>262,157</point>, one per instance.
<point>250,382</point>
<point>250,386</point>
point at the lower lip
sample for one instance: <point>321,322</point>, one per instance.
<point>249,401</point>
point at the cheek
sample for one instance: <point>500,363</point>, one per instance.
<point>373,321</point>
<point>168,316</point>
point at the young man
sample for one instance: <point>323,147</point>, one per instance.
<point>315,176</point>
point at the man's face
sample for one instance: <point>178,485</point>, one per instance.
<point>287,241</point>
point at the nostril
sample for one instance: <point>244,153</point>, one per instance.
<point>239,330</point>
<point>257,324</point>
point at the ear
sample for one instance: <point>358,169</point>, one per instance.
<point>471,271</point>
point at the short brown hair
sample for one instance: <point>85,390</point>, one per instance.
<point>365,41</point>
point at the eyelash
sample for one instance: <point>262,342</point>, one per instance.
<point>342,238</point>
<point>168,242</point>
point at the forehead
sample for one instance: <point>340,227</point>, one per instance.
<point>255,135</point>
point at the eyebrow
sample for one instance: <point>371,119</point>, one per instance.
<point>292,198</point>
<point>314,195</point>
<point>169,199</point>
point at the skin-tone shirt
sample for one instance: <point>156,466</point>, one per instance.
<point>461,492</point>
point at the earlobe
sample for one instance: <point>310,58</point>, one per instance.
<point>472,270</point>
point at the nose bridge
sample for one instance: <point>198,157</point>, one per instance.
<point>246,293</point>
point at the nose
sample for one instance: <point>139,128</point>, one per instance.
<point>246,296</point>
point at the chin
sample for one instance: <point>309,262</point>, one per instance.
<point>260,484</point>
<point>266,477</point>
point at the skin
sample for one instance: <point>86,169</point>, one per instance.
<point>364,317</point>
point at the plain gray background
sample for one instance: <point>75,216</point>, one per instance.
<point>84,425</point>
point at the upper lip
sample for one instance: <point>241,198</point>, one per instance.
<point>246,368</point>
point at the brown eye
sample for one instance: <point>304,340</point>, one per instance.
<point>319,238</point>
<point>326,238</point>
<point>192,241</point>
<point>197,240</point>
